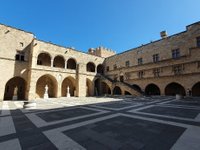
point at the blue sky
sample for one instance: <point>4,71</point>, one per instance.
<point>116,24</point>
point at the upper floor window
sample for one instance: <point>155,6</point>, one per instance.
<point>140,74</point>
<point>155,57</point>
<point>114,66</point>
<point>19,56</point>
<point>175,53</point>
<point>107,68</point>
<point>177,69</point>
<point>198,41</point>
<point>140,61</point>
<point>156,72</point>
<point>127,64</point>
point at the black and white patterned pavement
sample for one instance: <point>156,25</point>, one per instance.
<point>132,123</point>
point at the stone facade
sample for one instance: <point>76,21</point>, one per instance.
<point>174,59</point>
<point>168,66</point>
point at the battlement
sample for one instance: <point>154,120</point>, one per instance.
<point>101,51</point>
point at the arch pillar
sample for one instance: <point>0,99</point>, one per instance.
<point>31,90</point>
<point>59,91</point>
<point>123,92</point>
<point>52,62</point>
<point>66,64</point>
<point>162,91</point>
<point>81,81</point>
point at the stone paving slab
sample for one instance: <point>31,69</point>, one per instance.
<point>171,111</point>
<point>101,123</point>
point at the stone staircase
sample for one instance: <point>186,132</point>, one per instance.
<point>123,85</point>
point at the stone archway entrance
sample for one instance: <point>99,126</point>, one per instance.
<point>152,89</point>
<point>105,89</point>
<point>117,91</point>
<point>48,80</point>
<point>196,89</point>
<point>71,83</point>
<point>174,88</point>
<point>15,85</point>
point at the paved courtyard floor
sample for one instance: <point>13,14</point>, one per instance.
<point>120,123</point>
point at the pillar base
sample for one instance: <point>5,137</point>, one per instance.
<point>14,97</point>
<point>46,96</point>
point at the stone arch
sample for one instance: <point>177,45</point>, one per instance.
<point>100,69</point>
<point>105,89</point>
<point>44,59</point>
<point>89,88</point>
<point>136,87</point>
<point>152,89</point>
<point>71,83</point>
<point>18,84</point>
<point>174,88</point>
<point>117,91</point>
<point>52,84</point>
<point>59,62</point>
<point>90,67</point>
<point>71,63</point>
<point>196,89</point>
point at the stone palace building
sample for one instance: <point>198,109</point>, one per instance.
<point>31,67</point>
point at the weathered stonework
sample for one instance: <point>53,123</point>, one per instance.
<point>30,64</point>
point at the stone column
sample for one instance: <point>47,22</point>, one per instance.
<point>32,89</point>
<point>81,80</point>
<point>52,62</point>
<point>66,64</point>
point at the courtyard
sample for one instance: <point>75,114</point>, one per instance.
<point>102,123</point>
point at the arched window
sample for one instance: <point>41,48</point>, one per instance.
<point>59,62</point>
<point>71,63</point>
<point>44,59</point>
<point>100,69</point>
<point>90,67</point>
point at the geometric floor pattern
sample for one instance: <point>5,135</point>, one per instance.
<point>118,123</point>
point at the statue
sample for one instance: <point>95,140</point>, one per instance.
<point>46,92</point>
<point>15,97</point>
<point>15,90</point>
<point>68,93</point>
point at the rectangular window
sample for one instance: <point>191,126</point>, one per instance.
<point>155,57</point>
<point>114,66</point>
<point>198,41</point>
<point>17,57</point>
<point>140,74</point>
<point>20,56</point>
<point>156,72</point>
<point>127,64</point>
<point>175,53</point>
<point>140,61</point>
<point>107,68</point>
<point>177,69</point>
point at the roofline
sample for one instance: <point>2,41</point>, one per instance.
<point>198,22</point>
<point>16,28</point>
<point>66,47</point>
